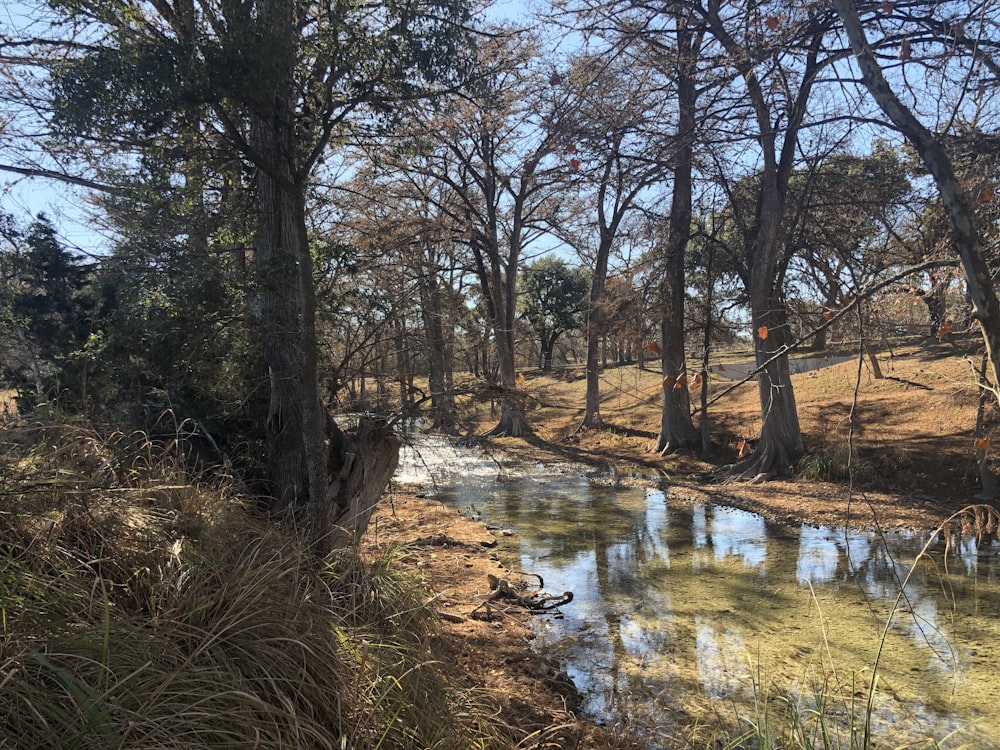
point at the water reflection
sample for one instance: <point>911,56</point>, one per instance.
<point>682,609</point>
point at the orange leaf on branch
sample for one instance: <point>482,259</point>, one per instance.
<point>762,333</point>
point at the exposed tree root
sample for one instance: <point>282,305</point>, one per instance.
<point>767,462</point>
<point>534,601</point>
<point>673,444</point>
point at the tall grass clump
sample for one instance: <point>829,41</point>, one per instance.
<point>140,609</point>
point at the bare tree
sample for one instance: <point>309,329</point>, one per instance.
<point>972,34</point>
<point>494,165</point>
<point>620,159</point>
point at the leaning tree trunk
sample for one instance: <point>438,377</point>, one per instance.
<point>956,201</point>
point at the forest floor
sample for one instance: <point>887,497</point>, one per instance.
<point>912,465</point>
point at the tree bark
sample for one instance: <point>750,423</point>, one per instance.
<point>676,428</point>
<point>498,280</point>
<point>443,412</point>
<point>316,472</point>
<point>596,328</point>
<point>780,443</point>
<point>548,343</point>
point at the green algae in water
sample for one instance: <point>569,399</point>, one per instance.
<point>684,613</point>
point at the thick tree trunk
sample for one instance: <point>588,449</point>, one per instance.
<point>676,428</point>
<point>315,470</point>
<point>512,421</point>
<point>499,285</point>
<point>363,463</point>
<point>780,442</point>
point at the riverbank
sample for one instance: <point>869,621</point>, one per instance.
<point>889,449</point>
<point>486,641</point>
<point>893,452</point>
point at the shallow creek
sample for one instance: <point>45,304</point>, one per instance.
<point>684,610</point>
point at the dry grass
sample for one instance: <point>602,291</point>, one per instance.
<point>912,429</point>
<point>141,610</point>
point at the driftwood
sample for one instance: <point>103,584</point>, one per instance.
<point>536,601</point>
<point>443,540</point>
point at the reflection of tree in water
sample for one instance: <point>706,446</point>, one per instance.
<point>679,605</point>
<point>638,687</point>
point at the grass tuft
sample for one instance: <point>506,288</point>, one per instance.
<point>141,609</point>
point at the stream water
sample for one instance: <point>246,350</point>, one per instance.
<point>682,611</point>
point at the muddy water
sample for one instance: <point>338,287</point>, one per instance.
<point>683,610</point>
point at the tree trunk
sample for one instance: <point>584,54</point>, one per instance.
<point>363,462</point>
<point>596,327</point>
<point>676,429</point>
<point>548,343</point>
<point>304,446</point>
<point>512,421</point>
<point>819,340</point>
<point>960,209</point>
<point>592,413</point>
<point>780,442</point>
<point>499,285</point>
<point>443,412</point>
